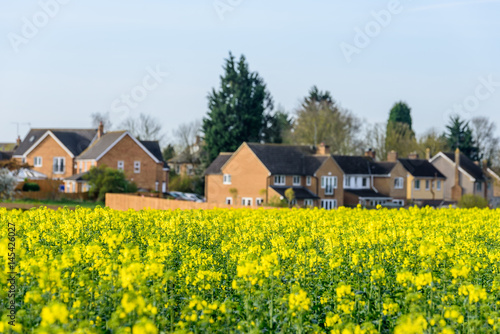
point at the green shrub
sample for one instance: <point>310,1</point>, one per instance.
<point>103,180</point>
<point>472,201</point>
<point>31,186</point>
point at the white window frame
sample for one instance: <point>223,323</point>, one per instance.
<point>229,200</point>
<point>308,180</point>
<point>438,184</point>
<point>328,204</point>
<point>347,181</point>
<point>296,183</point>
<point>120,165</point>
<point>58,164</point>
<point>279,180</point>
<point>415,184</point>
<point>37,161</point>
<point>329,190</point>
<point>246,201</point>
<point>259,201</point>
<point>226,179</point>
<point>427,184</point>
<point>308,202</point>
<point>399,183</point>
<point>137,167</point>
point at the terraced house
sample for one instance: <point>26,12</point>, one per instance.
<point>258,174</point>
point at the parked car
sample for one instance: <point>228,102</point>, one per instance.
<point>180,196</point>
<point>195,197</point>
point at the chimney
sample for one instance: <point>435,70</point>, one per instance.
<point>18,141</point>
<point>456,190</point>
<point>323,149</point>
<point>392,156</point>
<point>100,130</point>
<point>413,155</point>
<point>370,154</point>
<point>427,154</point>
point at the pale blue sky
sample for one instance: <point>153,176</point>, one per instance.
<point>432,54</point>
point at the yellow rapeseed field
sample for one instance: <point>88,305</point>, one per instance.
<point>253,271</point>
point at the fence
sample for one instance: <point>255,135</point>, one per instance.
<point>124,202</point>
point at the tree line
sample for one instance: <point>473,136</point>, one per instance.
<point>242,109</point>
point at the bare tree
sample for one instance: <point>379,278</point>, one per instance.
<point>186,136</point>
<point>146,127</point>
<point>483,134</point>
<point>99,117</point>
<point>375,139</point>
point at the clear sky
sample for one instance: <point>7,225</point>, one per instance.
<point>62,60</point>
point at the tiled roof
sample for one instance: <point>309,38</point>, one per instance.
<point>300,192</point>
<point>357,165</point>
<point>77,177</point>
<point>75,140</point>
<point>421,168</point>
<point>288,159</point>
<point>216,165</point>
<point>468,165</point>
<point>366,193</point>
<point>153,146</point>
<point>100,145</point>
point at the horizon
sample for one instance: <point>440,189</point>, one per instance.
<point>63,60</point>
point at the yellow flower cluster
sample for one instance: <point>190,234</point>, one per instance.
<point>251,271</point>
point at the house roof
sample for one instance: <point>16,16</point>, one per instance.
<point>7,147</point>
<point>75,140</point>
<point>101,145</point>
<point>300,192</point>
<point>366,193</point>
<point>288,159</point>
<point>153,146</point>
<point>468,165</point>
<point>77,177</point>
<point>357,165</point>
<point>216,165</point>
<point>421,168</point>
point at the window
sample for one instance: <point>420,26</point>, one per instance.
<point>37,162</point>
<point>259,201</point>
<point>226,179</point>
<point>438,184</point>
<point>427,185</point>
<point>137,167</point>
<point>279,180</point>
<point>121,165</point>
<point>177,169</point>
<point>479,186</point>
<point>296,180</point>
<point>417,184</point>
<point>157,186</point>
<point>329,183</point>
<point>59,165</point>
<point>328,204</point>
<point>189,169</point>
<point>308,180</point>
<point>247,201</point>
<point>308,203</point>
<point>364,182</point>
<point>80,168</point>
<point>229,200</point>
<point>348,182</point>
<point>398,183</point>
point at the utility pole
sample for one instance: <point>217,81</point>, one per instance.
<point>18,124</point>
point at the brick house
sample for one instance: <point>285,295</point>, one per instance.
<point>464,176</point>
<point>417,180</point>
<point>52,152</point>
<point>261,173</point>
<point>141,161</point>
<point>66,154</point>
